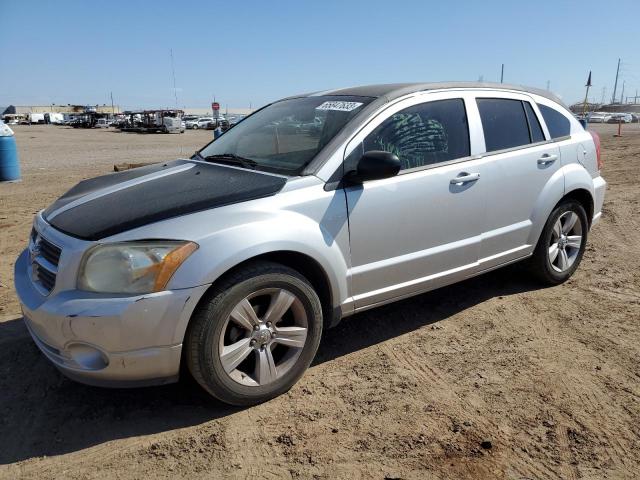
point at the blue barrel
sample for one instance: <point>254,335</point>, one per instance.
<point>9,164</point>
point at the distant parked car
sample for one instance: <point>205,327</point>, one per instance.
<point>599,117</point>
<point>218,122</point>
<point>190,121</point>
<point>635,117</point>
<point>620,118</point>
<point>102,123</point>
<point>201,122</point>
<point>235,120</point>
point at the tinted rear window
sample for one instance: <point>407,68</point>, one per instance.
<point>557,123</point>
<point>504,123</point>
<point>534,124</point>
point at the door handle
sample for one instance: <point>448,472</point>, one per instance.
<point>465,177</point>
<point>547,159</point>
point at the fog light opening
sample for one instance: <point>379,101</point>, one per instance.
<point>88,357</point>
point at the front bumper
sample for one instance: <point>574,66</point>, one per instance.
<point>105,340</point>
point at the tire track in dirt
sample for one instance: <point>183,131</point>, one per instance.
<point>567,468</point>
<point>408,358</point>
<point>608,438</point>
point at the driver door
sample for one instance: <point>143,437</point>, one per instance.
<point>422,228</point>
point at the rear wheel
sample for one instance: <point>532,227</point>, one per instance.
<point>561,244</point>
<point>255,335</point>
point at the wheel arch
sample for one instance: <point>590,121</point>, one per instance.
<point>571,181</point>
<point>304,264</point>
<point>584,197</point>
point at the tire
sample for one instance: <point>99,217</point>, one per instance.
<point>195,127</point>
<point>567,256</point>
<point>218,325</point>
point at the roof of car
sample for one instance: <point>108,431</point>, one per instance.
<point>395,90</point>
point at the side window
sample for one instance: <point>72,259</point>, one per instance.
<point>534,125</point>
<point>424,134</point>
<point>504,123</point>
<point>557,123</point>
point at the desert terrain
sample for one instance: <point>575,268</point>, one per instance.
<point>494,378</point>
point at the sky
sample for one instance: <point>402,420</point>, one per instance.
<point>248,53</point>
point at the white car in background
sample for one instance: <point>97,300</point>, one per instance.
<point>189,121</point>
<point>201,122</point>
<point>599,117</point>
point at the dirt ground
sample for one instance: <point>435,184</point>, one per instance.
<point>491,378</point>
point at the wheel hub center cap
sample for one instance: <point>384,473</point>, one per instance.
<point>562,242</point>
<point>262,336</point>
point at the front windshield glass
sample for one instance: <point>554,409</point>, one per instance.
<point>285,136</point>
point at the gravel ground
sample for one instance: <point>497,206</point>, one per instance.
<point>491,378</point>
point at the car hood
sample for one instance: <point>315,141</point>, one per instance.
<point>114,203</point>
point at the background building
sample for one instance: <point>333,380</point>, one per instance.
<point>53,108</point>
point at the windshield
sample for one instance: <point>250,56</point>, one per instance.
<point>285,136</point>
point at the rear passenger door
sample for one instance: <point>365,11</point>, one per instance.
<point>522,165</point>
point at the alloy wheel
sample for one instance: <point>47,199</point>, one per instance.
<point>566,240</point>
<point>263,337</point>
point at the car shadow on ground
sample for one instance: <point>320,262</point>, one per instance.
<point>43,413</point>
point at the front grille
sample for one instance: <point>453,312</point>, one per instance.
<point>49,251</point>
<point>44,261</point>
<point>46,278</point>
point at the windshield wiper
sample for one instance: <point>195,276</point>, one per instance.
<point>232,159</point>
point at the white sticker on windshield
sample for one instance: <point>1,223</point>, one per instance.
<point>338,105</point>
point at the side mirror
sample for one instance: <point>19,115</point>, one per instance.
<point>375,165</point>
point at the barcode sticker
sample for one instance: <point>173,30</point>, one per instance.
<point>338,105</point>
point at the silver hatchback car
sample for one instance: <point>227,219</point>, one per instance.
<point>313,208</point>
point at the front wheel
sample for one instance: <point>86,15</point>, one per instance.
<point>255,335</point>
<point>561,244</point>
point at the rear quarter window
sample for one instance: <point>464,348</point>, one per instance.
<point>534,124</point>
<point>557,123</point>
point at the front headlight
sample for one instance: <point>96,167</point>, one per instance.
<point>132,267</point>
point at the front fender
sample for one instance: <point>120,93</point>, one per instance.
<point>287,231</point>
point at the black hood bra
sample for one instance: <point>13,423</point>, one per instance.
<point>114,203</point>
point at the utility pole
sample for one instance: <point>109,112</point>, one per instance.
<point>173,72</point>
<point>502,74</point>
<point>604,92</point>
<point>113,110</point>
<point>622,94</point>
<point>615,85</point>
